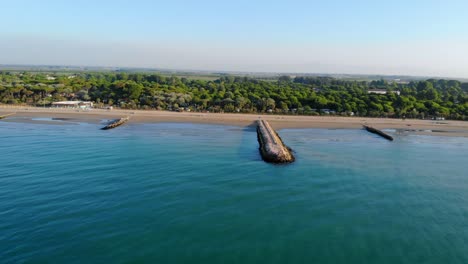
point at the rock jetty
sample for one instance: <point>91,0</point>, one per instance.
<point>378,132</point>
<point>5,116</point>
<point>116,123</point>
<point>272,148</point>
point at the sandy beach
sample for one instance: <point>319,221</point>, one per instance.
<point>430,127</point>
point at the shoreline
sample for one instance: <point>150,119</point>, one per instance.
<point>416,126</point>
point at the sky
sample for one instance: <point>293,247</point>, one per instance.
<point>411,37</point>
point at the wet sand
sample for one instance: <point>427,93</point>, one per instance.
<point>429,127</point>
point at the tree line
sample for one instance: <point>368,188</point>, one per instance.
<point>286,95</point>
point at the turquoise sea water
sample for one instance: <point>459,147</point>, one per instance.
<point>186,193</point>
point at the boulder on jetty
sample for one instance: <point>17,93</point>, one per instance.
<point>5,116</point>
<point>378,132</point>
<point>116,123</point>
<point>272,148</point>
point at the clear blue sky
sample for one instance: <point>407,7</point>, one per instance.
<point>388,37</point>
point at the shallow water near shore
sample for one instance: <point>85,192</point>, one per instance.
<point>191,193</point>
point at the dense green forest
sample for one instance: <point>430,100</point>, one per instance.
<point>286,95</point>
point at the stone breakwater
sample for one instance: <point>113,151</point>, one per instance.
<point>5,116</point>
<point>378,132</point>
<point>116,123</point>
<point>272,148</point>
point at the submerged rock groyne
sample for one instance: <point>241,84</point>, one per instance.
<point>116,123</point>
<point>5,116</point>
<point>378,132</point>
<point>272,148</point>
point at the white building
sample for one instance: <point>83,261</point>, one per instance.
<point>380,91</point>
<point>73,104</point>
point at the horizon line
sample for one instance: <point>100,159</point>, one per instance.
<point>180,70</point>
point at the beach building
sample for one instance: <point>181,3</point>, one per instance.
<point>73,104</point>
<point>327,111</point>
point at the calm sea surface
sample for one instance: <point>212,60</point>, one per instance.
<point>185,193</point>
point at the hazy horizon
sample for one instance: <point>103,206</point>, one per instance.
<point>422,38</point>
